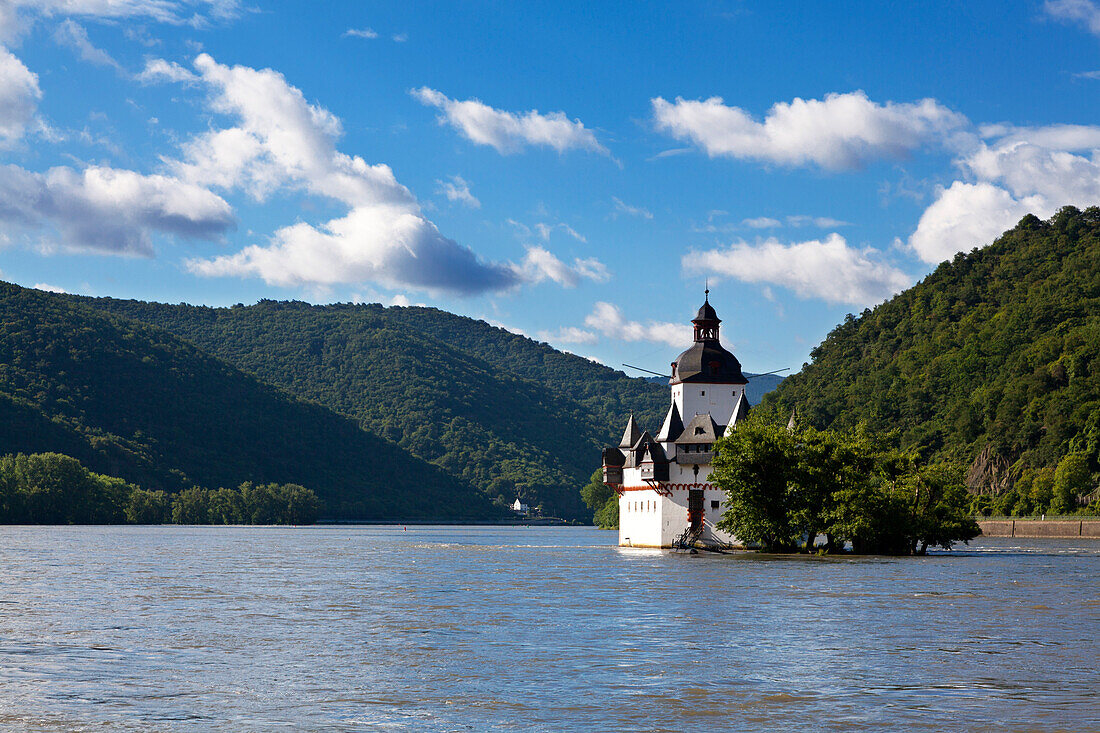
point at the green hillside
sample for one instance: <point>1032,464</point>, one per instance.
<point>510,415</point>
<point>131,400</point>
<point>995,354</point>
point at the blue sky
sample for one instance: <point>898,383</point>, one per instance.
<point>573,171</point>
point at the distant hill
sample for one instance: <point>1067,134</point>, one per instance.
<point>997,352</point>
<point>132,400</point>
<point>510,415</point>
<point>758,386</point>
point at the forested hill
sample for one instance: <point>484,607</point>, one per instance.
<point>510,415</point>
<point>999,347</point>
<point>131,400</point>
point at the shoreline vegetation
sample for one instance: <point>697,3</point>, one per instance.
<point>51,488</point>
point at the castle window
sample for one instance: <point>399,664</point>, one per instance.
<point>714,505</point>
<point>703,393</point>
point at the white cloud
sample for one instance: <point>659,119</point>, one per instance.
<point>540,264</point>
<point>49,288</point>
<point>828,269</point>
<point>360,33</point>
<point>159,70</point>
<point>107,210</point>
<point>281,141</point>
<point>400,37</point>
<point>19,95</point>
<point>14,14</point>
<point>509,132</point>
<point>458,189</point>
<point>622,208</point>
<point>762,222</point>
<point>1085,12</point>
<point>968,215</point>
<point>609,320</point>
<point>73,35</point>
<point>1029,170</point>
<point>568,335</point>
<point>842,131</point>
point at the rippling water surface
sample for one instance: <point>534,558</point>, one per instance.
<point>454,628</point>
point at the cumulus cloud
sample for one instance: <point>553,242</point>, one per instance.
<point>109,211</point>
<point>1084,12</point>
<point>381,243</point>
<point>829,269</point>
<point>19,95</point>
<point>509,132</point>
<point>622,208</point>
<point>568,335</point>
<point>968,215</point>
<point>609,320</point>
<point>1027,170</point>
<point>49,288</point>
<point>841,131</point>
<point>540,264</point>
<point>458,189</point>
<point>282,141</point>
<point>73,35</point>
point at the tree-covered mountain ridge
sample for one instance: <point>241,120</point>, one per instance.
<point>992,361</point>
<point>133,401</point>
<point>512,416</point>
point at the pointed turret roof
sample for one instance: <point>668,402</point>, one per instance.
<point>672,427</point>
<point>631,434</point>
<point>701,429</point>
<point>790,423</point>
<point>740,412</point>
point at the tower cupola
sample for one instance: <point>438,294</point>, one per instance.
<point>706,321</point>
<point>706,361</point>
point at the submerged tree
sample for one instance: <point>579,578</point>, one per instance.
<point>602,500</point>
<point>786,487</point>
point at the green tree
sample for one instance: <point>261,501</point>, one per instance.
<point>302,505</point>
<point>148,507</point>
<point>1071,479</point>
<point>602,500</point>
<point>191,506</point>
<point>939,508</point>
<point>757,466</point>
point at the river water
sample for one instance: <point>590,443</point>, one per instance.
<point>455,629</point>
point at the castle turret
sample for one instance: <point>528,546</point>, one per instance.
<point>706,378</point>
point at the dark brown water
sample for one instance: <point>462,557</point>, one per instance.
<point>450,628</point>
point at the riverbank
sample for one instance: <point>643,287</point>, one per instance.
<point>1053,528</point>
<point>502,522</point>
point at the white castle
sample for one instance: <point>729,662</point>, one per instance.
<point>665,496</point>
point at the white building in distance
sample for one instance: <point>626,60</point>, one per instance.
<point>665,496</point>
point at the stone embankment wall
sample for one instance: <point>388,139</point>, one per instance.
<point>1064,528</point>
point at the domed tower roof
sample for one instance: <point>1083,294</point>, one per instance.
<point>707,361</point>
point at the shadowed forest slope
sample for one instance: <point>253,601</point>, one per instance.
<point>132,400</point>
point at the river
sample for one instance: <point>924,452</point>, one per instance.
<point>543,629</point>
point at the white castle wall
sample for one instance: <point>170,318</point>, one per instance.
<point>649,519</point>
<point>698,399</point>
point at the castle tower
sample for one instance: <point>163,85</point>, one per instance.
<point>665,495</point>
<point>707,379</point>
